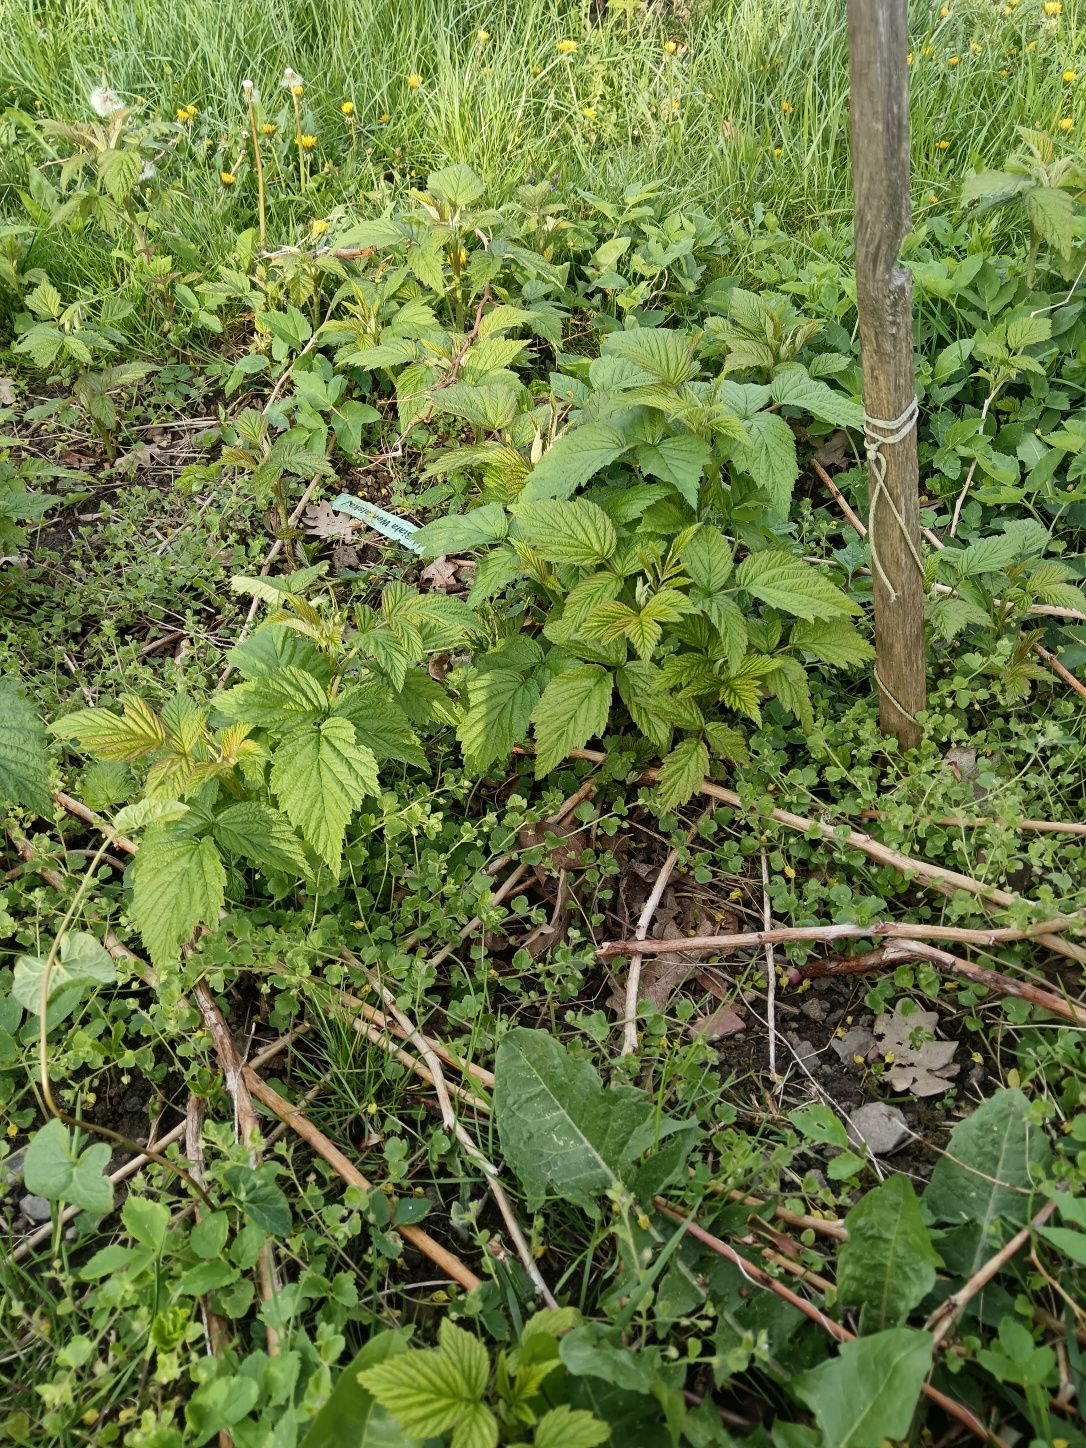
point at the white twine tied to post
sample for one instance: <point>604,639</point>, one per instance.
<point>880,433</point>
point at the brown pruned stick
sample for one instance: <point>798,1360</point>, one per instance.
<point>450,1264</point>
<point>1048,827</point>
<point>937,877</point>
<point>339,253</point>
<point>947,1313</point>
<point>898,952</point>
<point>761,1278</point>
<point>385,1023</point>
<point>781,935</point>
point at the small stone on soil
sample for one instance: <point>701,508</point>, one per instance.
<point>814,1010</point>
<point>36,1208</point>
<point>881,1128</point>
<point>855,1042</point>
<point>11,1170</point>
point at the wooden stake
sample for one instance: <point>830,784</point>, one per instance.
<point>878,77</point>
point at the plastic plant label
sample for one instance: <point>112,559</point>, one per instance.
<point>398,529</point>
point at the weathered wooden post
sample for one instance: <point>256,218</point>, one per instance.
<point>879,82</point>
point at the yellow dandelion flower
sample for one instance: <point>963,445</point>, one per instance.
<point>933,197</point>
<point>778,151</point>
<point>1007,10</point>
<point>671,46</point>
<point>227,178</point>
<point>537,70</point>
<point>952,60</point>
<point>589,112</point>
<point>487,70</point>
<point>184,114</point>
<point>1031,45</point>
<point>786,107</point>
<point>1003,74</point>
<point>482,36</point>
<point>945,12</point>
<point>943,145</point>
<point>268,128</point>
<point>414,81</point>
<point>975,47</point>
<point>307,142</point>
<point>1068,76</point>
<point>1067,124</point>
<point>927,50</point>
<point>382,119</point>
<point>1053,7</point>
<point>297,90</point>
<point>318,226</point>
<point>909,58</point>
<point>347,108</point>
<point>566,47</point>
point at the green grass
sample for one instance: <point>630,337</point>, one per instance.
<point>750,109</point>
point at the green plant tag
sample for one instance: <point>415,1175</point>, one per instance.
<point>398,529</point>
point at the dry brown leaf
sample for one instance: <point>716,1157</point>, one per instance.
<point>714,1025</point>
<point>924,1069</point>
<point>322,521</point>
<point>440,575</point>
<point>7,392</point>
<point>835,452</point>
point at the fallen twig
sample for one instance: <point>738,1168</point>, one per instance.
<point>449,1263</point>
<point>947,1313</point>
<point>897,952</point>
<point>452,1124</point>
<point>633,975</point>
<point>771,968</point>
<point>1051,827</point>
<point>761,1278</point>
<point>385,1023</point>
<point>938,877</point>
<point>781,935</point>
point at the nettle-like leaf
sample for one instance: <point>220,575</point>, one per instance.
<point>562,1132</point>
<point>666,355</point>
<point>262,836</point>
<point>566,1427</point>
<point>769,456</point>
<point>320,776</point>
<point>500,704</point>
<point>178,883</point>
<point>793,386</point>
<point>278,701</point>
<point>430,1392</point>
<point>122,738</point>
<point>576,532</point>
<point>835,641</point>
<point>679,461</point>
<point>681,773</point>
<point>571,460</point>
<point>24,767</point>
<point>573,708</point>
<point>795,587</point>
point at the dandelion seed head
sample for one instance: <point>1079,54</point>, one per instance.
<point>104,101</point>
